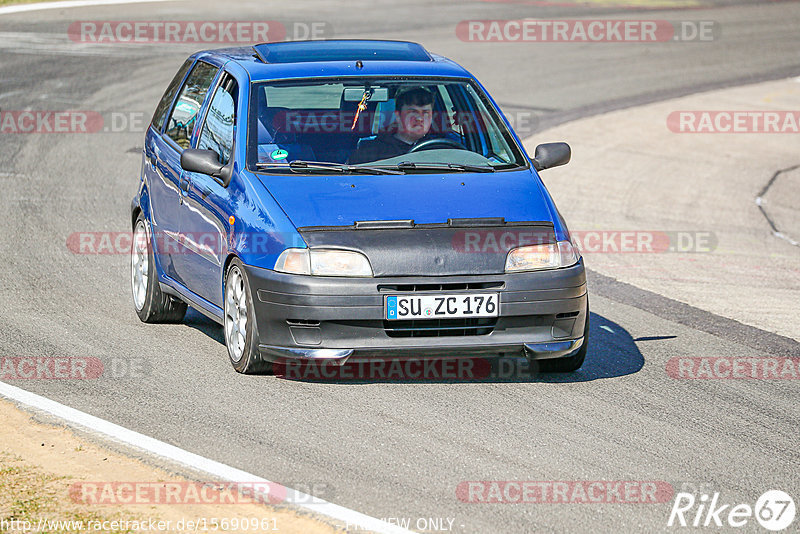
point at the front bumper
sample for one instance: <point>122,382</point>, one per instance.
<point>542,315</point>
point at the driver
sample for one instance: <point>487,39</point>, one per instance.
<point>413,116</point>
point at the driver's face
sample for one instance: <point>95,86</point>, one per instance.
<point>415,121</point>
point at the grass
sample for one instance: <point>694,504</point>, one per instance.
<point>29,494</point>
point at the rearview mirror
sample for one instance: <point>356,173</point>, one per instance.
<point>551,155</point>
<point>206,162</point>
<point>376,94</point>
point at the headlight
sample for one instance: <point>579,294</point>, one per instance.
<point>323,262</point>
<point>536,257</point>
<point>339,263</point>
<point>294,261</point>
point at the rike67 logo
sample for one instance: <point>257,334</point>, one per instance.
<point>774,510</point>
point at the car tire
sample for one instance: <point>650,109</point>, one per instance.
<point>239,325</point>
<point>151,304</point>
<point>571,363</point>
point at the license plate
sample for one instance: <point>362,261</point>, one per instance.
<point>441,306</point>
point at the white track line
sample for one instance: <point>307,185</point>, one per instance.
<point>67,4</point>
<point>198,463</point>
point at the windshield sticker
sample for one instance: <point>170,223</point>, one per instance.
<point>278,154</point>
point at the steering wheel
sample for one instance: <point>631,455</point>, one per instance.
<point>444,142</point>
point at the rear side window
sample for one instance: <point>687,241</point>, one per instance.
<point>169,95</point>
<point>218,127</point>
<point>184,114</point>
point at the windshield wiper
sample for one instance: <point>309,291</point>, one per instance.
<point>460,167</point>
<point>302,165</point>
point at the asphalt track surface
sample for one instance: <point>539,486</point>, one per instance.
<point>393,450</point>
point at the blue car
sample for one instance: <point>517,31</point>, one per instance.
<point>352,200</point>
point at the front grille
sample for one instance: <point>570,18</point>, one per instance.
<point>440,327</point>
<point>408,288</point>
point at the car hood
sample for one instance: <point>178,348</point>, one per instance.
<point>331,200</point>
<point>462,223</point>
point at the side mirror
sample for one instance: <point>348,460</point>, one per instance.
<point>551,155</point>
<point>206,162</point>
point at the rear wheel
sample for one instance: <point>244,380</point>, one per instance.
<point>152,305</point>
<point>572,363</point>
<point>241,335</point>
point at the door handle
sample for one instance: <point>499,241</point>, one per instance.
<point>152,154</point>
<point>183,186</point>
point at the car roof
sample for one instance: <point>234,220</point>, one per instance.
<point>337,57</point>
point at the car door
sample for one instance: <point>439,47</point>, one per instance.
<point>167,148</point>
<point>206,202</point>
<point>163,192</point>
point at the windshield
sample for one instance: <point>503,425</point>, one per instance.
<point>377,124</point>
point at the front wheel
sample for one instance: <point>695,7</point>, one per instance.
<point>241,335</point>
<point>151,304</point>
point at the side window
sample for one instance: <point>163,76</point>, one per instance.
<point>184,115</point>
<point>169,95</point>
<point>218,127</point>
